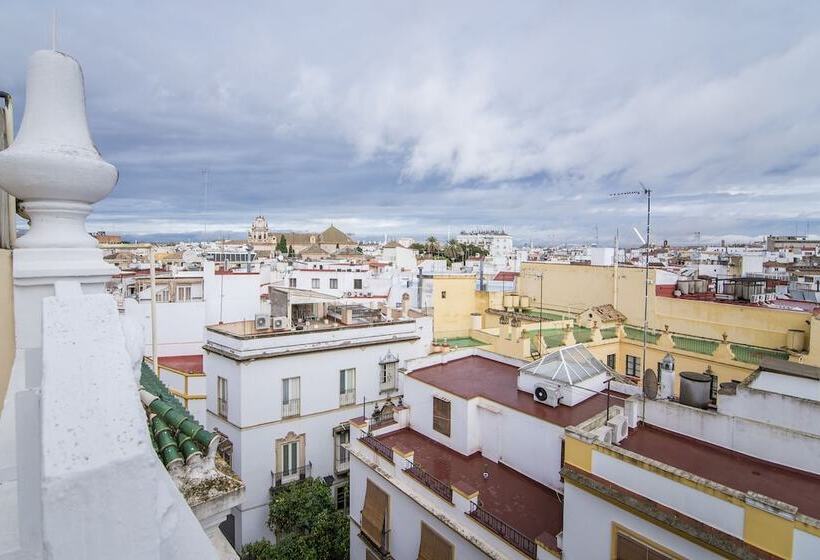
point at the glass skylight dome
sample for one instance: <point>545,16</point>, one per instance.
<point>568,366</point>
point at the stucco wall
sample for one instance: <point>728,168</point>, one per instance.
<point>451,314</point>
<point>6,323</point>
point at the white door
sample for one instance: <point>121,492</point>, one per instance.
<point>490,433</point>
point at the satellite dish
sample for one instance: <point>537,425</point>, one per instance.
<point>650,384</point>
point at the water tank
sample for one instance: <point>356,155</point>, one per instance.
<point>695,389</point>
<point>516,300</point>
<point>508,300</point>
<point>525,302</point>
<point>683,286</point>
<point>701,286</point>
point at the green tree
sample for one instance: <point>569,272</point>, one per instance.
<point>307,525</point>
<point>282,245</point>
<point>291,252</point>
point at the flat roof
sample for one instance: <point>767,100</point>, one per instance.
<point>527,505</point>
<point>188,364</point>
<point>477,376</point>
<point>730,468</point>
<point>786,367</point>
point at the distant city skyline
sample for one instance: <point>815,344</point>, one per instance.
<point>432,116</point>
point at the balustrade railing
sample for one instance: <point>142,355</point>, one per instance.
<point>290,475</point>
<point>290,408</point>
<point>347,398</point>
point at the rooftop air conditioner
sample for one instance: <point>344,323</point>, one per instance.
<point>602,433</point>
<point>261,321</point>
<point>547,393</point>
<point>280,322</point>
<point>619,428</point>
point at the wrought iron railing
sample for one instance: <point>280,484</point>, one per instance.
<point>378,447</point>
<point>342,459</point>
<point>510,534</point>
<point>288,476</point>
<point>442,489</point>
<point>290,408</point>
<point>382,418</point>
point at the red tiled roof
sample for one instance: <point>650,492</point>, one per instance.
<point>730,468</point>
<point>526,505</point>
<point>188,364</point>
<point>506,276</point>
<point>476,376</point>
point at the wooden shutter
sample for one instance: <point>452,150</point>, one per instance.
<point>433,546</point>
<point>374,514</point>
<point>441,416</point>
<point>629,549</point>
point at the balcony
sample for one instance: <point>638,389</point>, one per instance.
<point>347,398</point>
<point>504,530</point>
<point>341,463</point>
<point>289,476</point>
<point>377,446</point>
<point>442,489</point>
<point>290,408</point>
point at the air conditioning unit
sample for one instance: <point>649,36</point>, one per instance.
<point>261,321</point>
<point>619,428</point>
<point>280,322</point>
<point>547,393</point>
<point>602,433</point>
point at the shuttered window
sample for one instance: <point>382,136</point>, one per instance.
<point>441,416</point>
<point>628,548</point>
<point>375,515</point>
<point>433,546</point>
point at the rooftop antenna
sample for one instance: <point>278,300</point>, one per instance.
<point>206,180</point>
<point>648,194</point>
<point>596,235</point>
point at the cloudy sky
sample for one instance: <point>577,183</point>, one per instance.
<point>423,117</point>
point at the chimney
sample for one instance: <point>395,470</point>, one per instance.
<point>405,305</point>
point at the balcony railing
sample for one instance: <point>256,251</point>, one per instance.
<point>431,482</point>
<point>505,531</point>
<point>378,447</point>
<point>382,418</point>
<point>288,476</point>
<point>347,398</point>
<point>290,408</point>
<point>342,459</point>
<point>382,551</point>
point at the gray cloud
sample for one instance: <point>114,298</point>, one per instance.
<point>410,119</point>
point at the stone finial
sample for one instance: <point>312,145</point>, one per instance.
<point>666,328</point>
<point>725,337</point>
<point>53,166</point>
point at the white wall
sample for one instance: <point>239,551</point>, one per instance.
<point>588,529</point>
<point>790,385</point>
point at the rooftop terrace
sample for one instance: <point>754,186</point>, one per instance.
<point>531,508</point>
<point>730,468</point>
<point>476,376</point>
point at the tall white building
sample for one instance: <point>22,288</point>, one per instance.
<point>284,395</point>
<point>497,242</point>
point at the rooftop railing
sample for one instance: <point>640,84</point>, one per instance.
<point>442,489</point>
<point>507,532</point>
<point>378,447</point>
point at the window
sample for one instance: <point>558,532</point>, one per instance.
<point>357,283</point>
<point>290,458</point>
<point>441,416</point>
<point>387,376</point>
<point>334,283</point>
<point>633,365</point>
<point>292,282</point>
<point>162,295</point>
<point>343,498</point>
<point>433,546</point>
<point>314,283</point>
<point>222,397</point>
<point>183,293</point>
<point>347,386</point>
<point>342,436</point>
<point>375,516</point>
<point>611,360</point>
<point>290,397</point>
<point>443,294</point>
<point>632,547</point>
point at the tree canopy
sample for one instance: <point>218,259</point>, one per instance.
<point>307,525</point>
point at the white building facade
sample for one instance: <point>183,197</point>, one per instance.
<point>284,399</point>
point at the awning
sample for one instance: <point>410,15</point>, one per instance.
<point>374,514</point>
<point>433,546</point>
